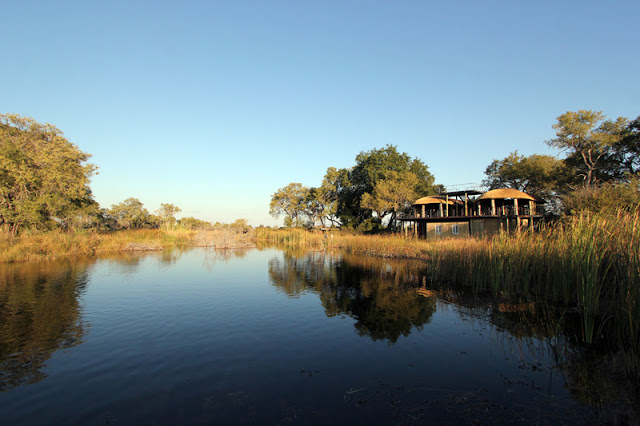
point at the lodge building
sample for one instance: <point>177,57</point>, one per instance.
<point>472,212</point>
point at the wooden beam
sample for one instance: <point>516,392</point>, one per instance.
<point>466,200</point>
<point>447,205</point>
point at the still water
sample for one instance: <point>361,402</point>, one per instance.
<point>273,337</point>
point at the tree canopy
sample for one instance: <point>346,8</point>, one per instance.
<point>44,178</point>
<point>600,169</point>
<point>290,202</point>
<point>589,137</point>
<point>536,174</point>
<point>167,214</point>
<point>382,182</point>
<point>130,214</point>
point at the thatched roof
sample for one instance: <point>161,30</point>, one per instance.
<point>503,193</point>
<point>434,199</point>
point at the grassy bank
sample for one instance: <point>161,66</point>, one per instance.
<point>590,264</point>
<point>49,245</point>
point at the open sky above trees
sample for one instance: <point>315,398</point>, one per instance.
<point>213,106</point>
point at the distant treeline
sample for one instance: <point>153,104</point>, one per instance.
<point>600,171</point>
<point>44,185</point>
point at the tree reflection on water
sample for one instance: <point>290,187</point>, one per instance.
<point>39,314</point>
<point>379,294</point>
<point>391,298</point>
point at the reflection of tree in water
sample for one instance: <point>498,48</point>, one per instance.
<point>213,255</point>
<point>39,314</point>
<point>379,294</point>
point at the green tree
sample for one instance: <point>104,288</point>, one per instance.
<point>193,223</point>
<point>330,193</point>
<point>392,194</point>
<point>167,214</point>
<point>625,159</point>
<point>539,175</point>
<point>44,178</point>
<point>375,166</point>
<point>608,197</point>
<point>290,202</point>
<point>130,214</point>
<point>588,137</point>
<point>313,206</point>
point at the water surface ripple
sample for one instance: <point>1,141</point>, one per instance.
<point>270,337</point>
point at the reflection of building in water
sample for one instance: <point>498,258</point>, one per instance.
<point>39,314</point>
<point>471,212</point>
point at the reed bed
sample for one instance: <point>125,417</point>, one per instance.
<point>589,263</point>
<point>49,245</point>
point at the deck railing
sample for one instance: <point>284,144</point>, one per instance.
<point>507,211</point>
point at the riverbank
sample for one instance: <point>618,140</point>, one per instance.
<point>54,244</point>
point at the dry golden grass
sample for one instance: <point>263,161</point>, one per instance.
<point>52,244</point>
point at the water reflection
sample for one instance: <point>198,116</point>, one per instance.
<point>198,328</point>
<point>392,298</point>
<point>379,294</point>
<point>213,255</point>
<point>39,314</point>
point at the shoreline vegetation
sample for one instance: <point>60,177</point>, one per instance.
<point>588,263</point>
<point>49,245</point>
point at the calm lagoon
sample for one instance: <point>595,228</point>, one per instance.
<point>275,337</point>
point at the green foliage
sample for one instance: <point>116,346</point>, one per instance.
<point>290,202</point>
<point>191,223</point>
<point>383,181</point>
<point>335,184</point>
<point>537,175</point>
<point>167,214</point>
<point>624,160</point>
<point>131,214</point>
<point>590,139</point>
<point>599,172</point>
<point>608,196</point>
<point>44,178</point>
<point>392,194</point>
<point>379,165</point>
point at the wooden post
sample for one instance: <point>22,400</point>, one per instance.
<point>466,200</point>
<point>531,207</point>
<point>441,214</point>
<point>493,207</point>
<point>515,206</point>
<point>446,206</point>
<point>423,207</point>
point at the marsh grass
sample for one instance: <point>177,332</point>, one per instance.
<point>33,246</point>
<point>53,244</point>
<point>588,264</point>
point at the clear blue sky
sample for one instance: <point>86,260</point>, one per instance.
<point>213,106</point>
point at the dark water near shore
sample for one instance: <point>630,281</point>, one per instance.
<point>270,337</point>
